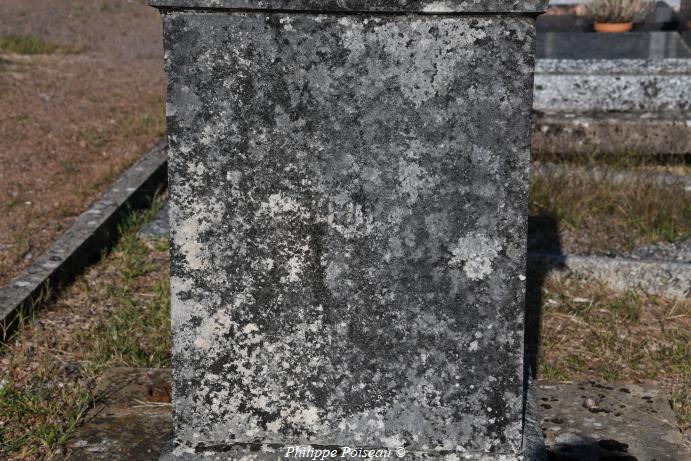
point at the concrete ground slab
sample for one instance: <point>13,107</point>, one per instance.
<point>132,420</point>
<point>158,227</point>
<point>595,422</point>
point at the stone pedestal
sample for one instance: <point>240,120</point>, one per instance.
<point>349,188</point>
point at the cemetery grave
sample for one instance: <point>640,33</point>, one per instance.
<point>613,92</point>
<point>87,376</point>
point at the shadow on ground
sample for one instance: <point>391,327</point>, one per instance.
<point>543,237</point>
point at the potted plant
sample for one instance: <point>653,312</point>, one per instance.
<point>617,15</point>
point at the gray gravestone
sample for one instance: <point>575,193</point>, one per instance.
<point>349,187</point>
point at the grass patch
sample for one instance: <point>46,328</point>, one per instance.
<point>117,314</point>
<point>30,44</point>
<point>94,137</point>
<point>41,407</point>
<point>598,214</point>
<point>592,333</point>
<point>150,123</point>
<point>108,7</point>
<point>22,243</point>
<point>70,167</point>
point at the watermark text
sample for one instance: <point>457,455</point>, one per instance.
<point>321,454</point>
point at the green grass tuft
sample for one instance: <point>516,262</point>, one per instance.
<point>26,45</point>
<point>29,44</point>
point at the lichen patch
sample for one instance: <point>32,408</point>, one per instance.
<point>475,252</point>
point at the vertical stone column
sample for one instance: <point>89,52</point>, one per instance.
<point>349,184</point>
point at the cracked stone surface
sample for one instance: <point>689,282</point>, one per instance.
<point>588,421</point>
<point>348,222</point>
<point>131,420</point>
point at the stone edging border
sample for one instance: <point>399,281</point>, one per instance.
<point>83,243</point>
<point>653,276</point>
<point>656,133</point>
<point>665,278</point>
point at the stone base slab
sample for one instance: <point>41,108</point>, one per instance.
<point>595,422</point>
<point>131,421</point>
<point>533,446</point>
<point>612,132</point>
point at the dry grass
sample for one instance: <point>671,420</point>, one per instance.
<point>592,333</point>
<point>599,215</point>
<point>117,314</point>
<point>82,99</point>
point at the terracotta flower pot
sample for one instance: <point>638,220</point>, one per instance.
<point>613,27</point>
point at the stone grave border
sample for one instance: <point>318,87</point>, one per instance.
<point>663,278</point>
<point>94,231</point>
<point>617,105</point>
<point>653,275</point>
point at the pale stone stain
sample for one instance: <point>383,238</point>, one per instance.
<point>475,252</point>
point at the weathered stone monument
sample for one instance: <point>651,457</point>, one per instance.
<point>349,185</point>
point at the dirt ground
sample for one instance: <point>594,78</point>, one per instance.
<point>81,98</point>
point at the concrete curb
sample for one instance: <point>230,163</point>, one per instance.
<point>659,276</point>
<point>94,231</point>
<point>612,132</point>
<point>671,279</point>
<point>613,85</point>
